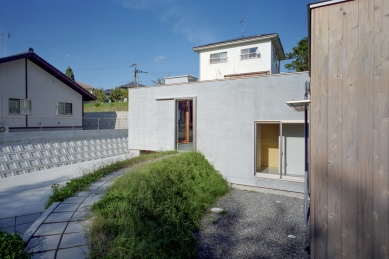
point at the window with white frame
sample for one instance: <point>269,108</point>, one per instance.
<point>64,108</point>
<point>19,106</point>
<point>218,57</point>
<point>249,53</point>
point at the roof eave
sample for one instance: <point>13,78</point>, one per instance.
<point>234,42</point>
<point>86,96</point>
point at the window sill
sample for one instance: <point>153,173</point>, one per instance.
<point>277,177</point>
<point>63,115</point>
<point>218,62</point>
<point>20,114</point>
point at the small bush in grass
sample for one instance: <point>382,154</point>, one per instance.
<point>12,246</point>
<point>153,210</point>
<point>61,193</point>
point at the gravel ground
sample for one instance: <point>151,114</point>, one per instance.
<point>254,225</point>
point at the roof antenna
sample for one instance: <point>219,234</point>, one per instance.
<point>241,22</point>
<point>2,41</point>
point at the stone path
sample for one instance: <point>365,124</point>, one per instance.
<point>59,231</point>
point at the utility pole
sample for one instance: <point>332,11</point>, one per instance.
<point>136,71</point>
<point>2,41</point>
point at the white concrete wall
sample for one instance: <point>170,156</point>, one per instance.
<point>43,90</point>
<point>12,85</point>
<point>275,69</point>
<point>225,116</point>
<point>234,64</point>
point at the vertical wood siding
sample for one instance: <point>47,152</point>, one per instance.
<point>350,130</point>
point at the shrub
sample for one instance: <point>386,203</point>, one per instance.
<point>153,210</point>
<point>12,246</point>
<point>61,193</point>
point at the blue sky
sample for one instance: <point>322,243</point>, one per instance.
<point>101,39</point>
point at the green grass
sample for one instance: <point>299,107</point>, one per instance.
<point>154,210</point>
<point>105,107</point>
<point>12,246</point>
<point>61,193</point>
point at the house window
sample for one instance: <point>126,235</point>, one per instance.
<point>64,108</point>
<point>218,57</point>
<point>19,106</point>
<point>249,53</point>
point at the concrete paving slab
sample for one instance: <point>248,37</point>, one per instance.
<point>76,200</point>
<point>31,230</point>
<point>44,255</point>
<point>92,199</point>
<point>20,229</point>
<point>6,222</point>
<point>64,207</point>
<point>80,216</point>
<point>10,229</point>
<point>45,243</point>
<point>83,194</point>
<point>73,239</point>
<point>84,207</point>
<point>27,218</point>
<point>50,229</point>
<point>59,217</point>
<point>79,252</point>
<point>75,227</point>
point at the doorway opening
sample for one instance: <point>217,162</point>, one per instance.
<point>184,124</point>
<point>268,148</point>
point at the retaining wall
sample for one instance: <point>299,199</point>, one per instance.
<point>106,120</point>
<point>28,152</point>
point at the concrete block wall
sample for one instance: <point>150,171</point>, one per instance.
<point>28,152</point>
<point>106,120</point>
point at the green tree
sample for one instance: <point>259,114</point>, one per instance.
<point>116,95</point>
<point>159,81</point>
<point>100,94</point>
<point>300,56</point>
<point>69,73</point>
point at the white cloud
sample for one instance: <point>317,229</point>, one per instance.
<point>67,55</point>
<point>175,15</point>
<point>157,59</point>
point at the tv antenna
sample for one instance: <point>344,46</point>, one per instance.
<point>241,22</point>
<point>2,41</point>
<point>136,71</point>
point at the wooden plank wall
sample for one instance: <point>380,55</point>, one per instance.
<point>350,130</point>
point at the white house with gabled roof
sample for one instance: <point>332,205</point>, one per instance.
<point>244,56</point>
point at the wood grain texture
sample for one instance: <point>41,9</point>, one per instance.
<point>319,82</point>
<point>381,129</point>
<point>364,142</point>
<point>334,133</point>
<point>350,131</point>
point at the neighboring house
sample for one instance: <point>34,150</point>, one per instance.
<point>244,56</point>
<point>179,79</point>
<point>86,87</point>
<point>130,85</point>
<point>242,126</point>
<point>34,94</point>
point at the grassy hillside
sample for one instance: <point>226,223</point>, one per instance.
<point>105,107</point>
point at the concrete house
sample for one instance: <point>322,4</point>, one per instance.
<point>241,124</point>
<point>36,95</point>
<point>244,56</point>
